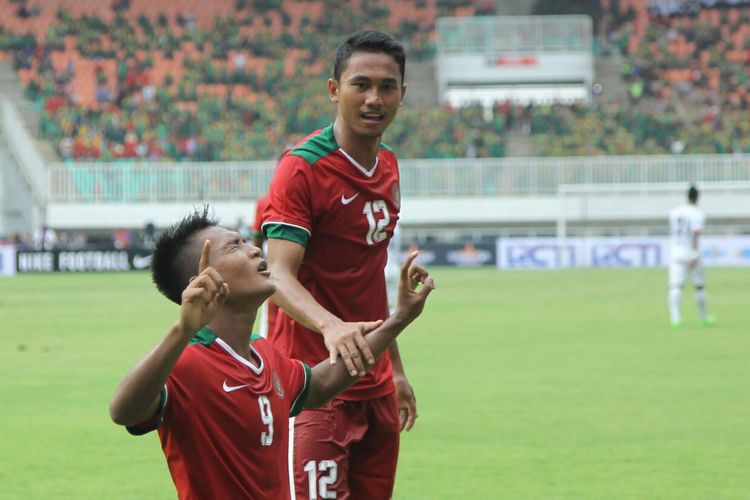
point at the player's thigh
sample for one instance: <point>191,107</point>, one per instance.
<point>373,460</point>
<point>677,273</point>
<point>321,439</point>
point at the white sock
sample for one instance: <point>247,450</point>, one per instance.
<point>675,294</point>
<point>700,300</point>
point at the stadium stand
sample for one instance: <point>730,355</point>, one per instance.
<point>686,70</point>
<point>241,80</point>
<point>229,80</point>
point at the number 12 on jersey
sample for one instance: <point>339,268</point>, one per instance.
<point>376,232</point>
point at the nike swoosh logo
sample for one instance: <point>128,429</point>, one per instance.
<point>346,201</point>
<point>232,388</point>
<point>141,262</point>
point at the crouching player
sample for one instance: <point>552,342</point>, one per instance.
<point>219,396</point>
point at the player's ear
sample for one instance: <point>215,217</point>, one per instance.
<point>333,90</point>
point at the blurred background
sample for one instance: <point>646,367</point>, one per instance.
<point>523,120</point>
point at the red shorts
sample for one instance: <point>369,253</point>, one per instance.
<point>345,450</point>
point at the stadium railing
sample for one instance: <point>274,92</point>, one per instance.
<point>503,177</point>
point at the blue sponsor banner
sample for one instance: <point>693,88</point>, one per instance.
<point>726,250</point>
<point>620,252</point>
<point>537,254</point>
<point>553,253</point>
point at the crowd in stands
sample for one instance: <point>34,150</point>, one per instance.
<point>242,81</point>
<point>245,79</point>
<point>686,67</point>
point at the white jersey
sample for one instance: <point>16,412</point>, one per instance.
<point>684,222</point>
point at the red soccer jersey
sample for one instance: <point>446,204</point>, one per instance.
<point>223,423</point>
<point>345,215</point>
<point>260,208</point>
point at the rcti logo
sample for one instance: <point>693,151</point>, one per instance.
<point>626,255</point>
<point>541,256</point>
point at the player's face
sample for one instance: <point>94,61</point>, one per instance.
<point>368,94</point>
<point>240,264</point>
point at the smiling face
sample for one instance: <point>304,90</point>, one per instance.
<point>368,93</point>
<point>240,264</point>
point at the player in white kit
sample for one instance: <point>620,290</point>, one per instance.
<point>686,224</point>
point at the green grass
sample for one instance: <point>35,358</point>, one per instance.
<point>530,384</point>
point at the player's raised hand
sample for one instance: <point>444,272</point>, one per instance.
<point>204,295</point>
<point>412,297</point>
<point>347,340</point>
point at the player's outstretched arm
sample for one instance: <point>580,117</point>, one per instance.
<point>136,399</point>
<point>342,338</point>
<point>329,380</point>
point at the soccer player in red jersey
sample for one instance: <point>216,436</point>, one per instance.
<point>219,396</point>
<point>335,200</point>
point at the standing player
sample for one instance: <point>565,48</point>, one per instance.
<point>685,228</point>
<point>335,200</point>
<point>219,396</point>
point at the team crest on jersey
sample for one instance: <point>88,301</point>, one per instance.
<point>396,194</point>
<point>277,385</point>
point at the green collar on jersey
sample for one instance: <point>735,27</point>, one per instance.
<point>321,145</point>
<point>206,336</point>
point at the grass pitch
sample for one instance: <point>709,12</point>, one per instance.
<point>530,384</point>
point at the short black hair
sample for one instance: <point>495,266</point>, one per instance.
<point>369,41</point>
<point>693,194</point>
<point>175,258</point>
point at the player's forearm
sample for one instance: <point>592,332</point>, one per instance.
<point>330,380</point>
<point>398,366</point>
<point>137,397</point>
<point>298,303</point>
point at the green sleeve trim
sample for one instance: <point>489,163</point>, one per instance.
<point>281,231</point>
<point>299,403</point>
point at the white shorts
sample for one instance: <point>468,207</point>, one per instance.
<point>679,271</point>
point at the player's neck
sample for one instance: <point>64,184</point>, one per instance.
<point>363,150</point>
<point>234,327</point>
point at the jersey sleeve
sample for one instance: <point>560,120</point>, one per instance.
<point>289,212</point>
<point>174,394</point>
<point>260,207</point>
<point>299,402</point>
<point>152,423</point>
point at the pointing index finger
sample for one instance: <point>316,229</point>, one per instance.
<point>203,264</point>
